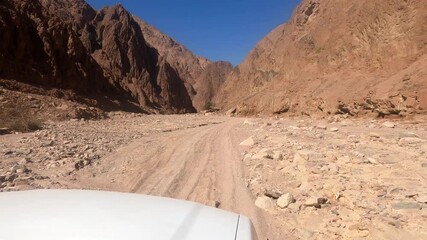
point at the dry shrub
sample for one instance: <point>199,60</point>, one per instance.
<point>19,118</point>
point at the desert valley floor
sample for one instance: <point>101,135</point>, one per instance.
<point>335,178</point>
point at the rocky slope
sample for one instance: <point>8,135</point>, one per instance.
<point>351,57</point>
<point>201,77</point>
<point>209,82</point>
<point>69,45</point>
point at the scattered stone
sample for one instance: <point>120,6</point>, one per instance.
<point>231,112</point>
<point>388,124</point>
<point>4,131</point>
<point>315,202</point>
<point>372,160</point>
<point>216,204</point>
<point>322,200</point>
<point>406,205</point>
<point>265,203</point>
<point>411,140</point>
<point>263,153</point>
<point>311,202</point>
<point>301,156</point>
<point>294,184</point>
<point>408,135</point>
<point>334,129</point>
<point>272,194</point>
<point>247,122</point>
<point>277,155</point>
<point>373,135</point>
<point>421,199</point>
<point>248,142</point>
<point>285,200</point>
<point>323,127</point>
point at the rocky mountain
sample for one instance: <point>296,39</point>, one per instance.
<point>351,57</point>
<point>201,76</point>
<point>97,54</point>
<point>209,82</point>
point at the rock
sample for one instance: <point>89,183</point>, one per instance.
<point>285,200</point>
<point>301,156</point>
<point>311,202</point>
<point>334,129</point>
<point>322,200</point>
<point>247,122</point>
<point>10,178</point>
<point>373,135</point>
<point>24,161</point>
<point>388,124</point>
<point>248,142</point>
<point>277,155</point>
<point>265,203</point>
<point>323,127</point>
<point>231,111</point>
<point>332,168</point>
<point>216,204</point>
<point>406,205</point>
<point>294,184</point>
<point>421,199</point>
<point>408,135</point>
<point>343,159</point>
<point>4,131</point>
<point>315,202</point>
<point>263,153</point>
<point>372,160</point>
<point>272,194</point>
<point>411,140</point>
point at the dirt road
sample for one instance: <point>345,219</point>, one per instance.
<point>202,164</point>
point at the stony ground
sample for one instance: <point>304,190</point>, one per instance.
<point>351,179</point>
<point>309,179</point>
<point>51,157</point>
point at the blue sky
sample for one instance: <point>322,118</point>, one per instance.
<point>216,29</point>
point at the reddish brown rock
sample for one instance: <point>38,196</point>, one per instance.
<point>201,77</point>
<point>101,55</point>
<point>351,57</point>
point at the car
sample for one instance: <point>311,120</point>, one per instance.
<point>100,215</point>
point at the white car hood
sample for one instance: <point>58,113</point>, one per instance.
<point>95,215</point>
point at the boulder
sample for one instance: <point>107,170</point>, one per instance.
<point>231,112</point>
<point>285,200</point>
<point>265,203</point>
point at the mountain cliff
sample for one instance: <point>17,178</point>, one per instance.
<point>102,54</point>
<point>201,76</point>
<point>354,57</point>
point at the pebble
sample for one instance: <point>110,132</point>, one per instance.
<point>323,127</point>
<point>334,129</point>
<point>248,142</point>
<point>373,135</point>
<point>388,124</point>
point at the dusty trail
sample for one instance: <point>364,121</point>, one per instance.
<point>201,164</point>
